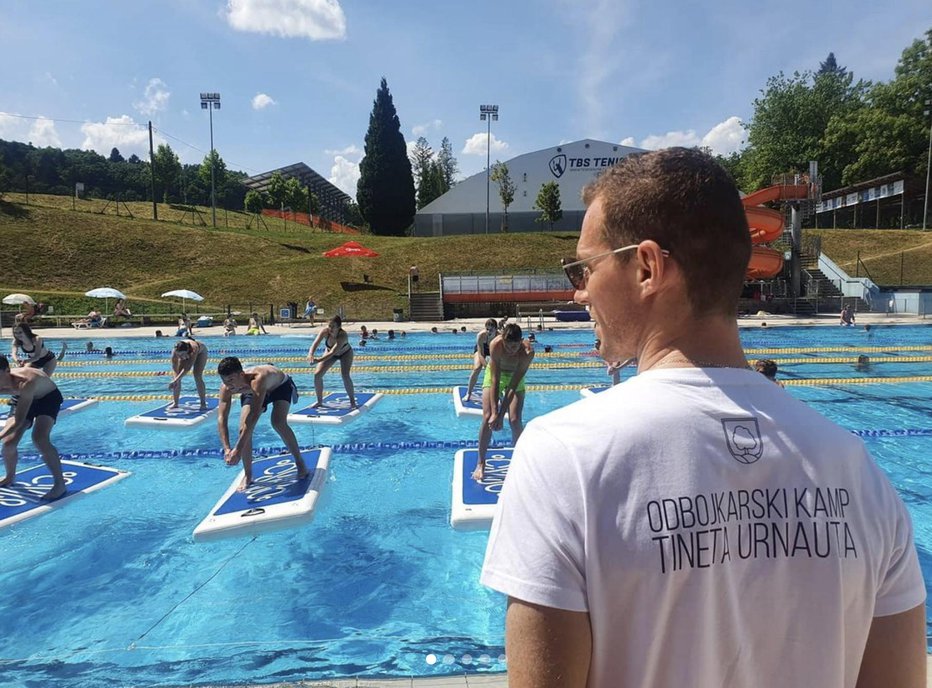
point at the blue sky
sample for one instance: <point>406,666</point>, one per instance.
<point>297,77</point>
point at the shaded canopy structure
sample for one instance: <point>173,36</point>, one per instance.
<point>333,201</point>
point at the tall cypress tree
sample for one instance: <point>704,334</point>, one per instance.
<point>385,191</point>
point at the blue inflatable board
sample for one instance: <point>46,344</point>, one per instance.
<point>473,503</point>
<point>23,499</point>
<point>336,409</point>
<point>275,500</point>
<point>67,406</point>
<point>592,391</point>
<point>188,413</point>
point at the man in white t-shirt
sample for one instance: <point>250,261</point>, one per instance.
<point>695,525</point>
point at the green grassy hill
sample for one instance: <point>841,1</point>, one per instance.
<point>59,254</point>
<point>55,254</point>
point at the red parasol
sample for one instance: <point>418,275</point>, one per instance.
<point>351,249</point>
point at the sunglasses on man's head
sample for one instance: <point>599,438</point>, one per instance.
<point>577,272</point>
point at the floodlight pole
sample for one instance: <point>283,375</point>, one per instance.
<point>211,102</point>
<point>487,113</point>
<point>925,207</point>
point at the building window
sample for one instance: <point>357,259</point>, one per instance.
<point>525,177</point>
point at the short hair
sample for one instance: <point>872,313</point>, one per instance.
<point>4,363</point>
<point>512,332</point>
<point>491,323</point>
<point>766,367</point>
<point>229,366</point>
<point>183,345</point>
<point>686,202</point>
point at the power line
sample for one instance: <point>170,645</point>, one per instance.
<point>69,121</point>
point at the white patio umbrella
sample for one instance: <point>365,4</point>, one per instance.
<point>105,293</point>
<point>15,300</point>
<point>184,295</point>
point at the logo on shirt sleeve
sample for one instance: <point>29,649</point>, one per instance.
<point>742,435</point>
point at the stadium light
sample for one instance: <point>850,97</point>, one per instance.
<point>925,208</point>
<point>486,114</point>
<point>211,102</point>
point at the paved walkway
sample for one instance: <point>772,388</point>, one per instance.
<point>472,326</point>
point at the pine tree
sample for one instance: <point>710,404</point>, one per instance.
<point>385,191</point>
<point>448,164</point>
<point>115,155</point>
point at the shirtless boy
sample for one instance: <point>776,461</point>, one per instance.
<point>480,354</point>
<point>258,387</point>
<point>503,389</point>
<point>35,402</point>
<point>189,354</point>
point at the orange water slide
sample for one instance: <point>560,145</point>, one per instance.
<point>766,225</point>
<point>765,262</point>
<point>779,192</point>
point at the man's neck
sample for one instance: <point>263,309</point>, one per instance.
<point>709,342</point>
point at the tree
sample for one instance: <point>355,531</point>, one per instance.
<point>220,172</point>
<point>277,191</point>
<point>385,191</point>
<point>506,189</point>
<point>422,160</point>
<point>295,195</point>
<point>115,155</point>
<point>830,66</point>
<point>447,164</point>
<point>313,203</point>
<point>134,159</point>
<point>254,202</point>
<point>548,202</point>
<point>789,123</point>
<point>167,171</point>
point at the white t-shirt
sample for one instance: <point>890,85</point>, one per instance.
<point>717,531</point>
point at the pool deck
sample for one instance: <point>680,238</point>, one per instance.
<point>472,326</point>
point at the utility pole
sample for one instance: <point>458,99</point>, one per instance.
<point>211,102</point>
<point>155,207</point>
<point>486,114</point>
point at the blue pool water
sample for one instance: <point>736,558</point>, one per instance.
<point>112,590</point>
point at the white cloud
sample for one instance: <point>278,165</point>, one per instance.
<point>10,125</point>
<point>154,99</point>
<point>628,141</point>
<point>686,138</point>
<point>50,78</point>
<point>117,132</point>
<point>351,150</point>
<point>261,101</point>
<point>317,20</point>
<point>42,133</point>
<point>421,129</point>
<point>344,174</point>
<point>476,144</point>
<point>601,57</point>
<point>724,138</point>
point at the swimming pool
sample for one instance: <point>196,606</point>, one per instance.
<point>113,590</point>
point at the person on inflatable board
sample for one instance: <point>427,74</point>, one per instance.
<point>35,402</point>
<point>255,326</point>
<point>696,525</point>
<point>336,348</point>
<point>846,319</point>
<point>480,354</point>
<point>29,348</point>
<point>258,387</point>
<point>189,355</point>
<point>503,389</point>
